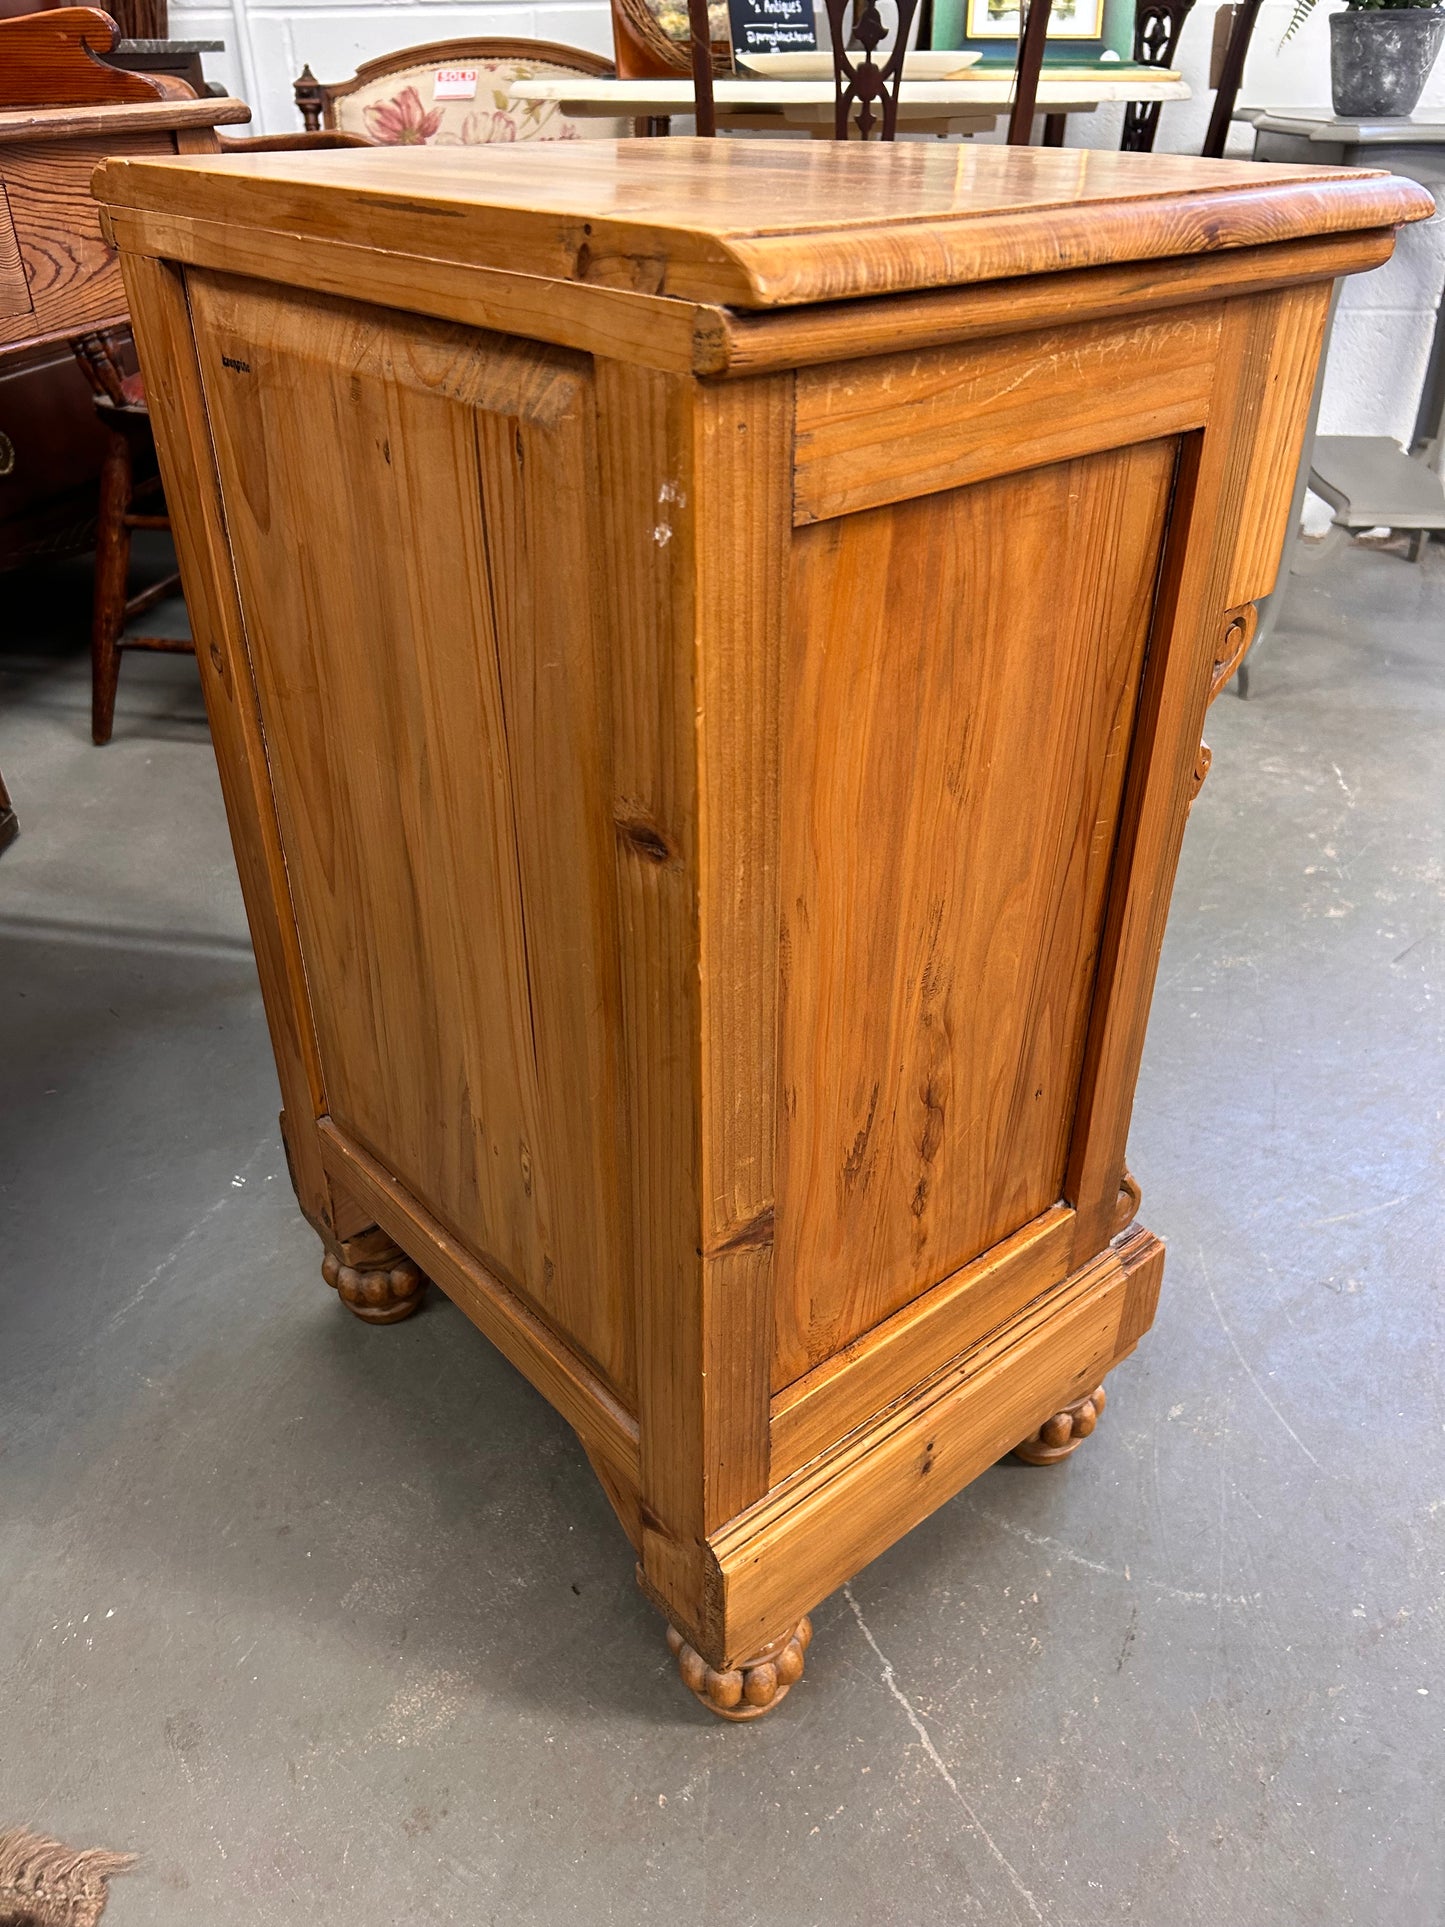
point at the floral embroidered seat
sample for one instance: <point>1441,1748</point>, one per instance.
<point>392,101</point>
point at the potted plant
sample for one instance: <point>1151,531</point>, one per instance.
<point>1381,53</point>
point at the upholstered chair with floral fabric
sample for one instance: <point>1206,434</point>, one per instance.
<point>392,101</point>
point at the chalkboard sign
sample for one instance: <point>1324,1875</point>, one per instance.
<point>773,26</point>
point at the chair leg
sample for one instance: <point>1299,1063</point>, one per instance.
<point>112,564</point>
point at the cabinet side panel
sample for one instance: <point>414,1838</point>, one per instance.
<point>156,292</point>
<point>410,513</point>
<point>957,711</point>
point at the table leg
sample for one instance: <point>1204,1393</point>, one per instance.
<point>1054,125</point>
<point>652,126</point>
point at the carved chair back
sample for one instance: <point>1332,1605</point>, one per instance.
<point>393,101</point>
<point>1157,26</point>
<point>865,89</point>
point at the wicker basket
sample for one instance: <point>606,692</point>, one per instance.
<point>645,46</point>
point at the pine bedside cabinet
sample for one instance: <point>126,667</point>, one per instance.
<point>707,644</point>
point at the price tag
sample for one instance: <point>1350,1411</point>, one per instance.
<point>773,26</point>
<point>455,83</point>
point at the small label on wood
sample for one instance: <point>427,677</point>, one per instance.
<point>773,26</point>
<point>455,83</point>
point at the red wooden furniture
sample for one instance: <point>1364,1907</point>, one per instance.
<point>62,110</point>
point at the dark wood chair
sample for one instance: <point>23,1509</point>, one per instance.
<point>1157,27</point>
<point>51,448</point>
<point>51,63</point>
<point>130,499</point>
<point>865,88</point>
<point>1233,30</point>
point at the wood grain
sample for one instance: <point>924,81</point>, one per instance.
<point>742,440</point>
<point>675,335</point>
<point>51,59</point>
<point>49,123</point>
<point>886,430</point>
<point>156,295</point>
<point>718,950</point>
<point>607,1429</point>
<point>59,276</point>
<point>1217,501</point>
<point>767,223</point>
<point>704,339</point>
<point>1288,346</point>
<point>645,461</point>
<point>445,812</point>
<point>813,1532</point>
<point>14,283</point>
<point>959,702</point>
<point>845,330</point>
<point>71,273</point>
<point>887,1362</point>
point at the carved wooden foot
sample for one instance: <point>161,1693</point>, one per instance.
<point>1064,1433</point>
<point>385,1289</point>
<point>748,1691</point>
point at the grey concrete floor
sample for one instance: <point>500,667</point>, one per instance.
<point>333,1624</point>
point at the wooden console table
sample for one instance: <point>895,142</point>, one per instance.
<point>708,713</point>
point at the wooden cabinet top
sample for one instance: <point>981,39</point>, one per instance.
<point>112,118</point>
<point>763,224</point>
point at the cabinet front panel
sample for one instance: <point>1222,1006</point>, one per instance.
<point>894,428</point>
<point>959,693</point>
<point>408,508</point>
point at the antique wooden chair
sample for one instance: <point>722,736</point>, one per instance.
<point>130,499</point>
<point>54,59</point>
<point>865,88</point>
<point>392,101</point>
<point>1157,26</point>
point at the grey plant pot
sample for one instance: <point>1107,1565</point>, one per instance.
<point>1380,59</point>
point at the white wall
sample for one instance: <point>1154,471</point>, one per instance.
<point>1383,328</point>
<point>268,42</point>
<point>1382,332</point>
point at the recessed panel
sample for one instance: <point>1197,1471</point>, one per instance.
<point>410,519</point>
<point>959,695</point>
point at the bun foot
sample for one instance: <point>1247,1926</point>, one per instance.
<point>748,1691</point>
<point>382,1294</point>
<point>1064,1433</point>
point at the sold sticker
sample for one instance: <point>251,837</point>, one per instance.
<point>455,83</point>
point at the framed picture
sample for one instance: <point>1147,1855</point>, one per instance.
<point>1001,20</point>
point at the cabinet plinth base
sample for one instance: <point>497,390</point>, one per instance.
<point>755,1687</point>
<point>381,1292</point>
<point>1064,1433</point>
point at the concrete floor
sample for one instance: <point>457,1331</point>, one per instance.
<point>333,1624</point>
